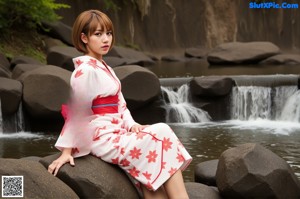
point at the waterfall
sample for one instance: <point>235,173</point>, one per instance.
<point>12,123</point>
<point>256,102</point>
<point>179,109</point>
<point>1,119</point>
<point>291,110</point>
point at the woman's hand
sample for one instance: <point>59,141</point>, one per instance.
<point>64,158</point>
<point>137,128</point>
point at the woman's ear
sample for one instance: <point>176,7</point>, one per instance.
<point>84,38</point>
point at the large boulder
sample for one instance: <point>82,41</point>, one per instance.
<point>211,86</point>
<point>10,95</point>
<point>45,90</point>
<point>93,178</point>
<point>38,183</point>
<point>62,56</point>
<point>139,85</point>
<point>240,53</point>
<point>252,171</point>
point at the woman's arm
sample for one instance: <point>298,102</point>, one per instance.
<point>65,157</point>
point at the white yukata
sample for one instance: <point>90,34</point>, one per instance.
<point>150,157</point>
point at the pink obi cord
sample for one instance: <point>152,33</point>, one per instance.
<point>103,105</point>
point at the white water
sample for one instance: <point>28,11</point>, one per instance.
<point>180,109</point>
<point>254,102</point>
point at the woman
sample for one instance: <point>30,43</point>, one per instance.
<point>98,122</point>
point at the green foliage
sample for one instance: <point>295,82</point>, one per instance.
<point>28,13</point>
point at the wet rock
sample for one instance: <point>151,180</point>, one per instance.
<point>211,86</point>
<point>252,171</point>
<point>205,172</point>
<point>62,56</point>
<point>38,182</point>
<point>10,95</point>
<point>242,53</point>
<point>201,191</point>
<point>288,59</point>
<point>93,178</point>
<point>139,85</point>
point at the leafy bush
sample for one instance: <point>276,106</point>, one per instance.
<point>29,13</point>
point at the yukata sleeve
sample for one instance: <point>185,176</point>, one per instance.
<point>127,117</point>
<point>76,133</point>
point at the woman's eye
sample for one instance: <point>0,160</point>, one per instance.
<point>98,33</point>
<point>109,33</point>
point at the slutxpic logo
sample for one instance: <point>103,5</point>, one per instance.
<point>273,5</point>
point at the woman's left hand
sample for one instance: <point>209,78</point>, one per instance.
<point>137,128</point>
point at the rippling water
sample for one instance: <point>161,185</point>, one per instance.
<point>204,141</point>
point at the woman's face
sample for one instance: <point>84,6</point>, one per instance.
<point>98,43</point>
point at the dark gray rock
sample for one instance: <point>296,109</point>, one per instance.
<point>211,86</point>
<point>132,56</point>
<point>205,172</point>
<point>60,31</point>
<point>23,60</point>
<point>93,178</point>
<point>201,191</point>
<point>45,89</point>
<point>38,182</point>
<point>19,69</point>
<point>10,94</point>
<point>196,52</point>
<point>240,53</point>
<point>288,59</point>
<point>252,171</point>
<point>62,56</point>
<point>139,85</point>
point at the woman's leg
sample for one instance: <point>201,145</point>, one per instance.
<point>175,187</point>
<point>158,194</point>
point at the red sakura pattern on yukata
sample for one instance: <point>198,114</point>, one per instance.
<point>150,156</point>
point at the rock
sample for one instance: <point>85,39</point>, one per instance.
<point>45,90</point>
<point>59,31</point>
<point>205,172</point>
<point>139,85</point>
<point>114,61</point>
<point>38,182</point>
<point>23,60</point>
<point>211,86</point>
<point>252,171</point>
<point>196,52</point>
<point>62,56</point>
<point>201,191</point>
<point>93,178</point>
<point>288,59</point>
<point>173,58</point>
<point>19,69</point>
<point>132,56</point>
<point>242,53</point>
<point>51,42</point>
<point>5,73</point>
<point>10,95</point>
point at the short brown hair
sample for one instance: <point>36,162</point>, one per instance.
<point>87,23</point>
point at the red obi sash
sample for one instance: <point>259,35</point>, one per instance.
<point>103,105</point>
